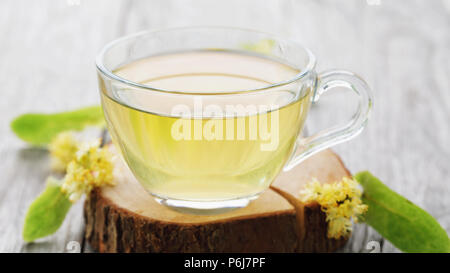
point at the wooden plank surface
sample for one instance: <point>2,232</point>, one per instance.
<point>402,48</point>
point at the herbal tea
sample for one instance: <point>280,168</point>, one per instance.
<point>204,147</point>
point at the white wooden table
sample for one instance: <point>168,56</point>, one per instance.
<point>402,48</point>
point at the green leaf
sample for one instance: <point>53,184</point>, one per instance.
<point>39,129</point>
<point>46,214</point>
<point>264,46</point>
<point>405,225</point>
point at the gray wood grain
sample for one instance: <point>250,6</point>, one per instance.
<point>402,48</point>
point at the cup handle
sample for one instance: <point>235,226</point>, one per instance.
<point>328,80</point>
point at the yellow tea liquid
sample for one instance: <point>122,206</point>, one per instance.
<point>213,156</point>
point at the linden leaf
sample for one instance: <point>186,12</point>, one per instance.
<point>405,225</point>
<point>47,212</point>
<point>39,129</point>
<point>264,46</point>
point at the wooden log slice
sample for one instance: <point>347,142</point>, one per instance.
<point>326,167</point>
<point>125,218</point>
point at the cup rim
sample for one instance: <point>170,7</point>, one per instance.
<point>99,61</point>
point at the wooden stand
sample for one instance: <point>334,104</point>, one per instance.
<point>125,218</point>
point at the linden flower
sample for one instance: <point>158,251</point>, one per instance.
<point>341,201</point>
<point>62,150</point>
<point>92,167</point>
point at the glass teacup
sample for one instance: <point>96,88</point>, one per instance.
<point>206,117</point>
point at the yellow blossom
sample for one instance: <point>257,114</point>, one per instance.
<point>62,150</point>
<point>92,167</point>
<point>341,201</point>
